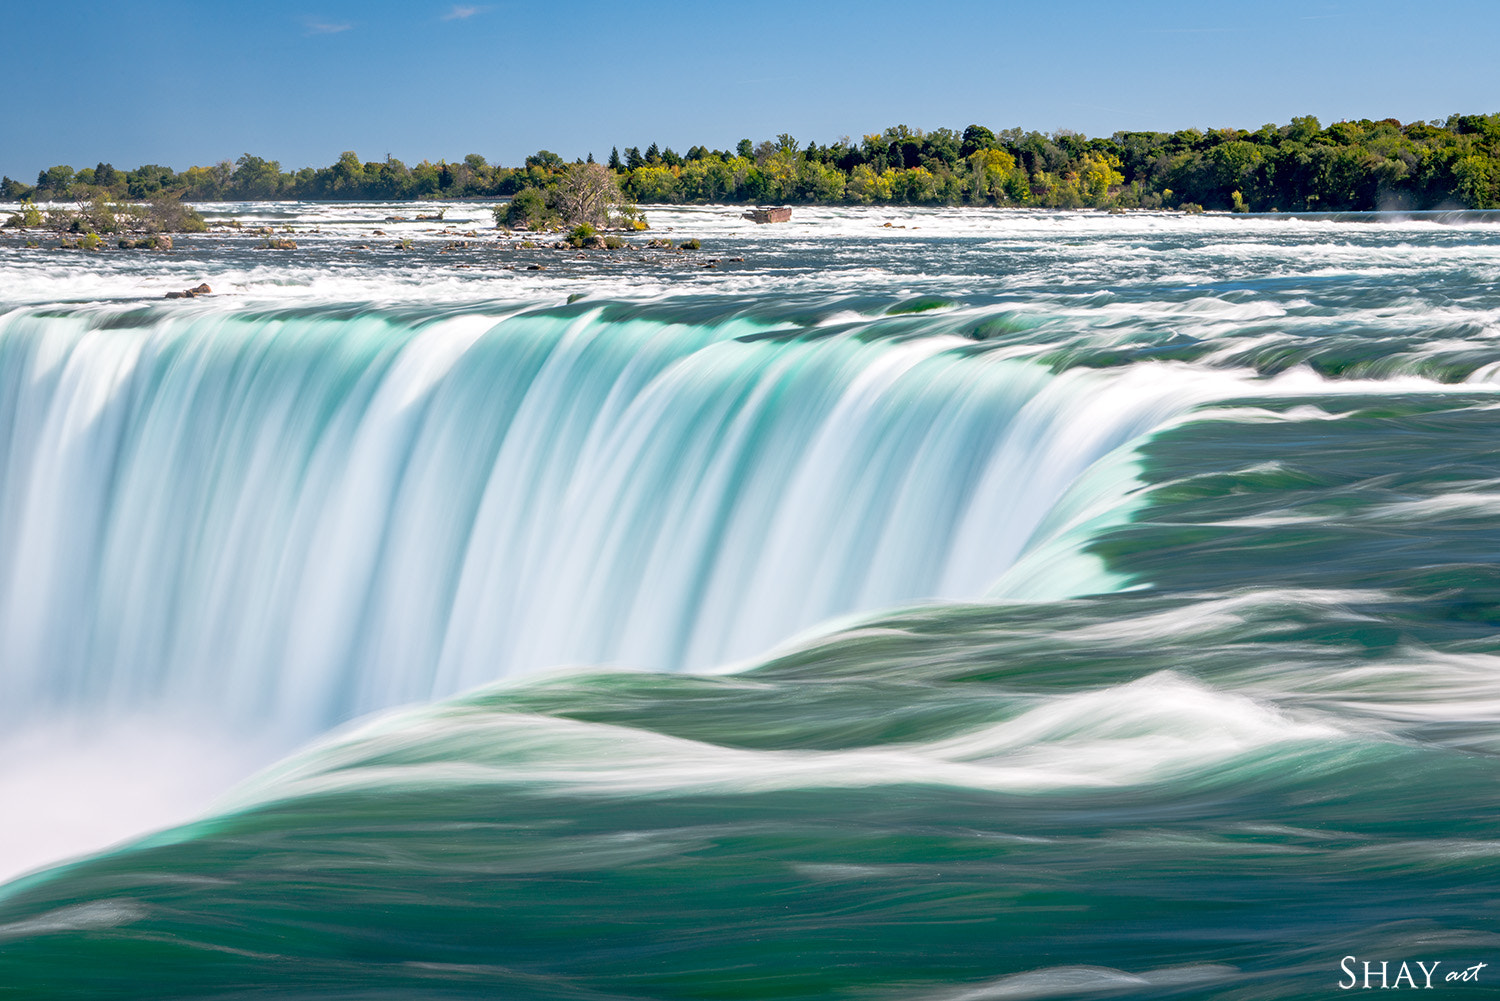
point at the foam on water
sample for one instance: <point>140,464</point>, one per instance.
<point>1087,981</point>
<point>1159,729</point>
<point>1026,255</point>
<point>300,519</point>
<point>1240,470</point>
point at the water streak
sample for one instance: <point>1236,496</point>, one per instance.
<point>300,518</point>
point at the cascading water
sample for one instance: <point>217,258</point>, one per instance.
<point>1112,603</point>
<point>302,517</point>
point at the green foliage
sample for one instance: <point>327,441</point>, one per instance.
<point>158,241</point>
<point>653,184</point>
<point>1351,165</point>
<point>98,216</point>
<point>163,214</point>
<point>1474,181</point>
<point>166,214</point>
<point>254,179</point>
<point>1302,129</point>
<point>976,138</point>
<point>545,159</point>
<point>581,233</point>
<point>56,181</point>
<point>527,210</point>
<point>28,217</point>
<point>12,190</point>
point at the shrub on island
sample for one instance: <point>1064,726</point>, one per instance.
<point>527,210</point>
<point>585,194</point>
<point>100,215</point>
<point>29,217</point>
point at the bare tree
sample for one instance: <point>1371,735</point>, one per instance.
<point>588,193</point>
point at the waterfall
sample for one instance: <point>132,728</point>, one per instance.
<point>303,516</point>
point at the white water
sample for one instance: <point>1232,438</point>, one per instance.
<point>287,522</point>
<point>1062,260</point>
<point>268,523</point>
<point>69,787</point>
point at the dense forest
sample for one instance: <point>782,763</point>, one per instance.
<point>1302,166</point>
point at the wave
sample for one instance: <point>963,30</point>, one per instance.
<point>1166,827</point>
<point>1116,620</point>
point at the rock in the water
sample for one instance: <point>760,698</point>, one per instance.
<point>156,241</point>
<point>781,214</point>
<point>190,293</point>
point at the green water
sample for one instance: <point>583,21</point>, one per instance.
<point>1246,729</point>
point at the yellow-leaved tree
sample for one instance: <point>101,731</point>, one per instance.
<point>1097,175</point>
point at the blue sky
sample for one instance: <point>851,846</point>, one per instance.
<point>181,83</point>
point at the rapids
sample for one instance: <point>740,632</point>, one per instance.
<point>991,605</point>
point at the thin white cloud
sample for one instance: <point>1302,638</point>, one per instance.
<point>462,12</point>
<point>317,27</point>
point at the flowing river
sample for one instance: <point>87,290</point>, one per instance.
<point>937,604</point>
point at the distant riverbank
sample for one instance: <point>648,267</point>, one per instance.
<point>1302,166</point>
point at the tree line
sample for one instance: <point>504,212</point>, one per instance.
<point>1302,166</point>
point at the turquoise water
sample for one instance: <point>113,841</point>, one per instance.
<point>1017,606</point>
